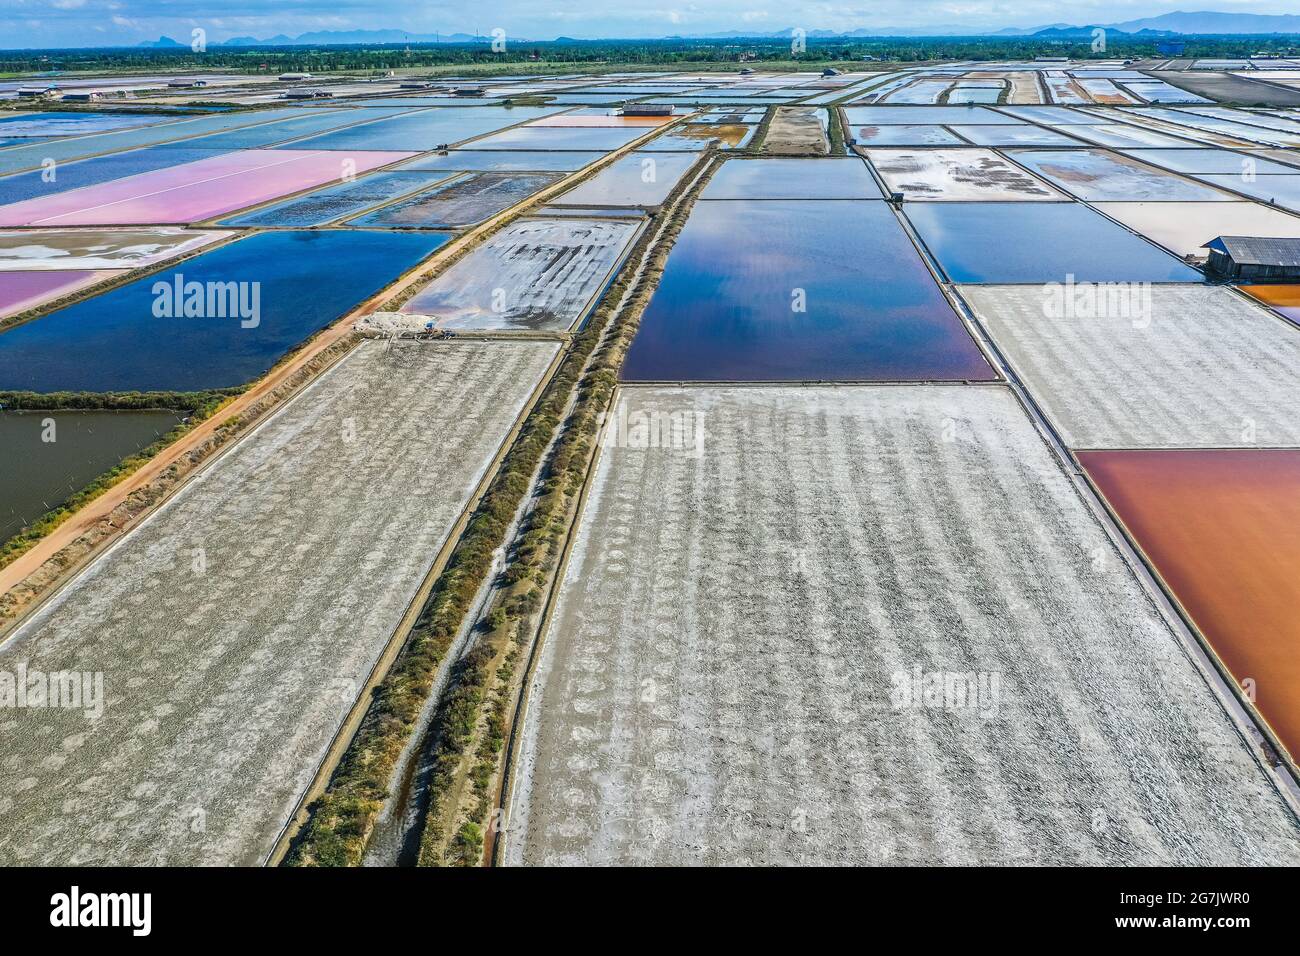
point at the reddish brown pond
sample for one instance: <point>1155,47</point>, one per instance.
<point>1283,299</point>
<point>1223,529</point>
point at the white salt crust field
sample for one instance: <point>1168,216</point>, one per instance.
<point>958,175</point>
<point>1170,367</point>
<point>721,681</point>
<point>236,626</point>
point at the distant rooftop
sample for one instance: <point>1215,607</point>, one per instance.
<point>1255,251</point>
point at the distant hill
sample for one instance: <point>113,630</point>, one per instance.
<point>356,38</point>
<point>1167,24</point>
<point>1215,23</point>
<point>1085,33</point>
<point>1164,25</point>
<point>1175,23</point>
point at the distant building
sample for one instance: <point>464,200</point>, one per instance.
<point>467,91</point>
<point>36,92</point>
<point>830,71</point>
<point>184,83</point>
<point>306,95</point>
<point>1171,47</point>
<point>294,77</point>
<point>647,109</point>
<point>1251,259</point>
<point>83,96</point>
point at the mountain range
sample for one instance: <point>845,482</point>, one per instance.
<point>335,38</point>
<point>1167,24</point>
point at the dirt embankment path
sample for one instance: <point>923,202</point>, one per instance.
<point>798,131</point>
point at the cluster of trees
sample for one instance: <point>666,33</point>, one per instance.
<point>116,401</point>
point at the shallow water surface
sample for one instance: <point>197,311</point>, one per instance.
<point>1038,242</point>
<point>754,291</point>
<point>837,178</point>
<point>1222,528</point>
<point>115,342</point>
<point>460,202</point>
<point>38,474</point>
<point>344,199</point>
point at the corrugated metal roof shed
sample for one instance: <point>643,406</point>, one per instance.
<point>1255,251</point>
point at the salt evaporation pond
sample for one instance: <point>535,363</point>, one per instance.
<point>561,138</point>
<point>533,275</point>
<point>1185,227</point>
<point>460,202</point>
<point>1219,525</point>
<point>1038,242</point>
<point>912,115</point>
<point>101,169</point>
<point>281,131</point>
<point>904,136</point>
<point>37,474</point>
<point>1010,136</point>
<point>838,178</point>
<point>25,250</point>
<point>1095,175</point>
<point>1283,191</point>
<point>73,124</point>
<point>425,129</point>
<point>637,179</point>
<point>20,291</point>
<point>336,202</point>
<point>1222,161</point>
<point>79,147</point>
<point>958,175</point>
<point>496,161</point>
<point>755,291</point>
<point>195,191</point>
<point>115,342</point>
<point>1282,299</point>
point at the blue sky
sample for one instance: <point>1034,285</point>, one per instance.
<point>33,23</point>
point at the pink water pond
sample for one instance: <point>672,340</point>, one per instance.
<point>20,291</point>
<point>193,192</point>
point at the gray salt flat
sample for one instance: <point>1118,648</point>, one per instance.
<point>235,627</point>
<point>21,250</point>
<point>723,679</point>
<point>966,174</point>
<point>1206,368</point>
<point>533,275</point>
<point>1098,176</point>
